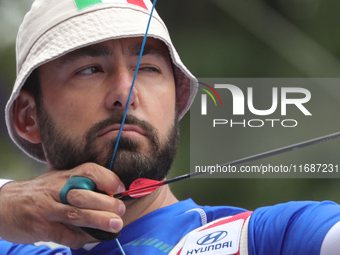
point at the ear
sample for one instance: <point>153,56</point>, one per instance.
<point>25,117</point>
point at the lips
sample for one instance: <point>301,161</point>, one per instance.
<point>126,128</point>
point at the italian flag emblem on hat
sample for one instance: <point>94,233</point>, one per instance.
<point>81,4</point>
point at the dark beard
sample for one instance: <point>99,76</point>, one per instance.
<point>65,153</point>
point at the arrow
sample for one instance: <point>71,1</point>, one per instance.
<point>142,187</point>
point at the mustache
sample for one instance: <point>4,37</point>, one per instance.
<point>116,118</point>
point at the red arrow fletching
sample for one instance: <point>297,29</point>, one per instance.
<point>142,182</point>
<point>140,187</point>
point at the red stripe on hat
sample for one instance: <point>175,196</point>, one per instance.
<point>137,2</point>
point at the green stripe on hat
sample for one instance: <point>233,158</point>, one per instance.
<point>81,4</point>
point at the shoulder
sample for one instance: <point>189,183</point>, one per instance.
<point>298,213</point>
<point>217,212</point>
<point>292,228</point>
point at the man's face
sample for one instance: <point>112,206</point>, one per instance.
<point>84,95</point>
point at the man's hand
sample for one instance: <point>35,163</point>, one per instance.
<point>31,211</point>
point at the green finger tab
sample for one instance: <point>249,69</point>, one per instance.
<point>76,182</point>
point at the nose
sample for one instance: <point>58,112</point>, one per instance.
<point>119,85</point>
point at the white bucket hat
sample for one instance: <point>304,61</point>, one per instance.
<point>53,28</point>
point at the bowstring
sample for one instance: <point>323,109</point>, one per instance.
<point>120,247</point>
<point>132,86</point>
<point>128,101</point>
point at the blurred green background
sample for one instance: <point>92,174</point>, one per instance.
<point>219,38</point>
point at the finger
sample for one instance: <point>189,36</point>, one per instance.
<point>86,199</point>
<point>71,215</point>
<point>106,180</point>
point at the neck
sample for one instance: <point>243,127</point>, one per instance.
<point>137,208</point>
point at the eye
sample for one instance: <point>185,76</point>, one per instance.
<point>149,69</point>
<point>90,70</point>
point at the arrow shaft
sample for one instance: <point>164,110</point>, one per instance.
<point>284,149</point>
<point>267,154</point>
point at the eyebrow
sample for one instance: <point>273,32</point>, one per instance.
<point>134,50</point>
<point>90,51</point>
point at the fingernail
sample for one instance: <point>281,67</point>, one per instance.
<point>116,224</point>
<point>121,188</point>
<point>121,209</point>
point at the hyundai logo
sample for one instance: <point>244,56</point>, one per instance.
<point>212,238</point>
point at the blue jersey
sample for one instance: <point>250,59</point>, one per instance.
<point>290,228</point>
